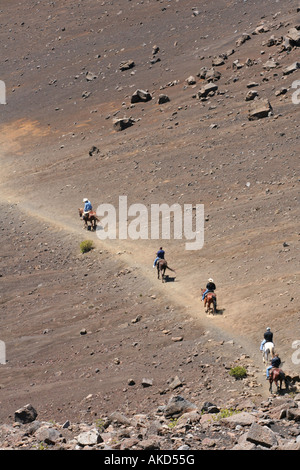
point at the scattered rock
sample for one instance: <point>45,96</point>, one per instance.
<point>141,96</point>
<point>217,61</point>
<point>251,95</point>
<point>293,36</point>
<point>178,419</point>
<point>280,92</point>
<point>291,68</point>
<point>90,76</point>
<point>177,406</point>
<point>47,434</point>
<point>127,64</point>
<point>191,80</point>
<point>89,438</point>
<point>123,123</point>
<point>207,90</point>
<point>261,435</point>
<point>270,64</point>
<point>163,99</point>
<point>147,383</point>
<point>245,37</point>
<point>26,414</point>
<point>260,109</point>
<point>239,419</point>
<point>93,151</point>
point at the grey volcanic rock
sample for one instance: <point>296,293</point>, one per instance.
<point>260,109</point>
<point>26,414</point>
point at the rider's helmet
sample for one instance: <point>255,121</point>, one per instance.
<point>85,199</point>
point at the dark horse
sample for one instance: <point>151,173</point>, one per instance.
<point>210,301</point>
<point>278,376</point>
<point>162,265</point>
<point>92,218</point>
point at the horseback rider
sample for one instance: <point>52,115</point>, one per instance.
<point>268,337</point>
<point>275,362</point>
<point>86,210</point>
<point>210,287</point>
<point>159,255</point>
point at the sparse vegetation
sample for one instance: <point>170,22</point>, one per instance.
<point>173,423</point>
<point>86,245</point>
<point>224,413</point>
<point>238,372</point>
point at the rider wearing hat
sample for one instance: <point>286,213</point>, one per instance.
<point>275,362</point>
<point>86,210</point>
<point>268,337</point>
<point>210,287</point>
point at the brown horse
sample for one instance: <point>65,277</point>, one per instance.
<point>210,302</point>
<point>278,376</point>
<point>162,265</point>
<point>92,219</point>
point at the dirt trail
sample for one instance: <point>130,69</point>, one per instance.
<point>178,293</point>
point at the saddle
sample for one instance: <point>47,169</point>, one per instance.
<point>89,214</point>
<point>210,293</point>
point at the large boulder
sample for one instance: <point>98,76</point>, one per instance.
<point>123,123</point>
<point>207,90</point>
<point>163,99</point>
<point>291,68</point>
<point>47,434</point>
<point>140,96</point>
<point>26,414</point>
<point>262,435</point>
<point>89,438</point>
<point>245,37</point>
<point>126,64</point>
<point>259,109</point>
<point>178,406</point>
<point>294,37</point>
<point>238,419</point>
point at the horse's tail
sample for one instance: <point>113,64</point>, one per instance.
<point>173,270</point>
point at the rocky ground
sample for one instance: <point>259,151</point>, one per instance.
<point>215,122</point>
<point>178,425</point>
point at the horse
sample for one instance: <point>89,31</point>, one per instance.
<point>162,265</point>
<point>210,301</point>
<point>92,218</point>
<point>278,376</point>
<point>268,348</point>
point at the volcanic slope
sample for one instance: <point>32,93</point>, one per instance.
<point>79,325</point>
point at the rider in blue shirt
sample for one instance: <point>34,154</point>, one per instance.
<point>210,287</point>
<point>87,205</point>
<point>86,210</point>
<point>159,255</point>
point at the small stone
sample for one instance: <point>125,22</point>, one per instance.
<point>89,438</point>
